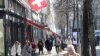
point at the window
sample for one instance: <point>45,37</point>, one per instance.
<point>1,3</point>
<point>1,38</point>
<point>16,8</point>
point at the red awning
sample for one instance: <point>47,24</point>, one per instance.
<point>39,26</point>
<point>34,24</point>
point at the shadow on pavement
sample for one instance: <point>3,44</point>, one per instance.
<point>36,54</point>
<point>44,54</point>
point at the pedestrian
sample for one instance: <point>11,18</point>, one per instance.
<point>48,45</point>
<point>40,46</point>
<point>16,49</point>
<point>62,45</point>
<point>71,51</point>
<point>57,45</point>
<point>69,41</point>
<point>33,45</point>
<point>75,42</point>
<point>27,49</point>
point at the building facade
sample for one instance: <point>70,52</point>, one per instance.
<point>13,27</point>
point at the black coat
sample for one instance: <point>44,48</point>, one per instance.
<point>40,45</point>
<point>48,44</point>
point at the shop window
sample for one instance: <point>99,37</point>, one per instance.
<point>1,38</point>
<point>16,8</point>
<point>1,3</point>
<point>11,7</point>
<point>23,11</point>
<point>28,13</point>
<point>20,11</point>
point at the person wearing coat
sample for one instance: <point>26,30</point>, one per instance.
<point>71,51</point>
<point>16,49</point>
<point>57,45</point>
<point>62,45</point>
<point>27,49</point>
<point>48,45</point>
<point>40,46</point>
<point>33,45</point>
<point>69,41</point>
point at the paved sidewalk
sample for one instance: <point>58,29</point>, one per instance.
<point>53,52</point>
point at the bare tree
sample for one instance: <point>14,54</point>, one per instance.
<point>88,30</point>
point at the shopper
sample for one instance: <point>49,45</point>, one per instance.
<point>40,46</point>
<point>27,49</point>
<point>48,45</point>
<point>57,45</point>
<point>71,51</point>
<point>16,49</point>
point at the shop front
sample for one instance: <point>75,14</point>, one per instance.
<point>1,38</point>
<point>12,26</point>
<point>2,48</point>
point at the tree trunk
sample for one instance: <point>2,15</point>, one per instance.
<point>67,23</point>
<point>85,42</point>
<point>85,48</point>
<point>88,29</point>
<point>91,29</point>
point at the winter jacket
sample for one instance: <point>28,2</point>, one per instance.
<point>69,42</point>
<point>40,45</point>
<point>15,50</point>
<point>27,51</point>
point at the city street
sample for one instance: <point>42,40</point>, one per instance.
<point>27,26</point>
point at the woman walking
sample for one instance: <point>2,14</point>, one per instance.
<point>71,51</point>
<point>57,45</point>
<point>27,49</point>
<point>16,49</point>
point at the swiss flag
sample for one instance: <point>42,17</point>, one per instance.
<point>37,4</point>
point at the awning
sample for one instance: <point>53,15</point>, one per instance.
<point>39,26</point>
<point>34,24</point>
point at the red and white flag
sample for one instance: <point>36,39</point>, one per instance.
<point>37,4</point>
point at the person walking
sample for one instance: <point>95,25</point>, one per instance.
<point>75,42</point>
<point>27,49</point>
<point>71,51</point>
<point>16,49</point>
<point>69,41</point>
<point>33,45</point>
<point>48,45</point>
<point>57,45</point>
<point>40,46</point>
<point>62,45</point>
